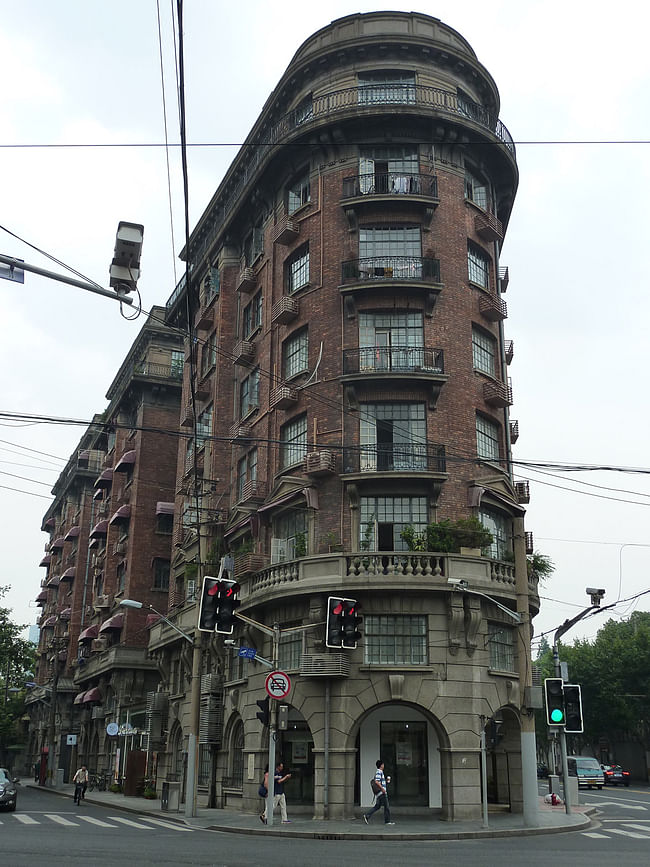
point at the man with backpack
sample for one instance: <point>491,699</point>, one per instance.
<point>378,785</point>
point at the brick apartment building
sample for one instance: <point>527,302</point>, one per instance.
<point>110,527</point>
<point>346,379</point>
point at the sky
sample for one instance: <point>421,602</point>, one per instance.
<point>574,95</point>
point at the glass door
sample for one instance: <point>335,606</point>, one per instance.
<point>404,751</point>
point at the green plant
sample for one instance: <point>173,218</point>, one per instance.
<point>540,565</point>
<point>115,788</point>
<point>300,544</point>
<point>448,537</point>
<point>191,571</point>
<point>245,547</point>
<point>368,534</point>
<point>149,793</point>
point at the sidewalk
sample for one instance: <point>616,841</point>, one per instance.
<point>551,820</point>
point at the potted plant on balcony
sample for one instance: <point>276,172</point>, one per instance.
<point>450,537</point>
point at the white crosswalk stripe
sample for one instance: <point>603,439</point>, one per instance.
<point>60,820</point>
<point>129,823</point>
<point>595,834</point>
<point>25,820</point>
<point>645,828</point>
<point>629,834</point>
<point>94,821</point>
<point>162,824</point>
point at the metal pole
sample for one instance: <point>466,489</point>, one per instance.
<point>61,278</point>
<point>193,740</point>
<point>272,734</point>
<point>562,734</point>
<point>326,753</point>
<point>484,795</point>
<point>51,729</point>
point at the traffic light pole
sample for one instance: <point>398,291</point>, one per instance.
<point>273,728</point>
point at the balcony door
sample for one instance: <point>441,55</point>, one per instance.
<point>391,341</point>
<point>393,437</point>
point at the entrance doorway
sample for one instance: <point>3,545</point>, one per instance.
<point>404,751</point>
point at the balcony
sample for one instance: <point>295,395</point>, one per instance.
<point>392,269</point>
<point>492,307</point>
<point>522,490</point>
<point>514,431</point>
<point>244,352</point>
<point>246,280</point>
<point>285,231</point>
<point>504,278</point>
<point>509,351</point>
<point>488,227</point>
<point>285,310</point>
<point>187,416</point>
<point>249,564</point>
<point>240,432</point>
<point>253,492</point>
<point>530,544</point>
<point>391,184</point>
<point>320,463</point>
<point>396,458</point>
<point>497,393</point>
<point>205,319</point>
<point>283,397</point>
<point>392,365</point>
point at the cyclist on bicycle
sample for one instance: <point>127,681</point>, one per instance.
<point>80,781</point>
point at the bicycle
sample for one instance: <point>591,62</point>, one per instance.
<point>97,781</point>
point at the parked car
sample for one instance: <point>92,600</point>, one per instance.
<point>8,791</point>
<point>542,771</point>
<point>587,770</point>
<point>614,774</point>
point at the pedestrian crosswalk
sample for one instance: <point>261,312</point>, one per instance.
<point>72,820</point>
<point>635,830</point>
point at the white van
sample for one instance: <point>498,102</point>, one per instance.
<point>587,770</point>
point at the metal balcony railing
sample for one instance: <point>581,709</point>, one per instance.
<point>393,359</point>
<point>391,268</point>
<point>391,183</point>
<point>396,457</point>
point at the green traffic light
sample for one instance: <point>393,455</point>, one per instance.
<point>557,715</point>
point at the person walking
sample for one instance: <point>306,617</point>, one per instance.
<point>80,781</point>
<point>381,794</point>
<point>279,779</point>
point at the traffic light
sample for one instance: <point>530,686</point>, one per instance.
<point>209,604</point>
<point>228,604</point>
<point>218,605</point>
<point>334,630</point>
<point>573,708</point>
<point>263,713</point>
<point>351,623</point>
<point>555,715</point>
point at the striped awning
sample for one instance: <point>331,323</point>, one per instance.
<point>68,575</point>
<point>54,581</point>
<point>65,614</point>
<point>92,695</point>
<point>164,508</point>
<point>89,633</point>
<point>42,597</point>
<point>100,529</point>
<point>122,514</point>
<point>114,622</point>
<point>49,622</point>
<point>46,560</point>
<point>79,697</point>
<point>126,462</point>
<point>57,544</point>
<point>105,479</point>
<point>72,533</point>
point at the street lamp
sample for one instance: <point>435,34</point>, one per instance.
<point>463,586</point>
<point>195,704</point>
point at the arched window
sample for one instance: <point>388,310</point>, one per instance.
<point>237,754</point>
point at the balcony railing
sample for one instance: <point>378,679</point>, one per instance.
<point>162,371</point>
<point>393,359</point>
<point>389,184</point>
<point>391,268</point>
<point>396,457</point>
<point>351,101</point>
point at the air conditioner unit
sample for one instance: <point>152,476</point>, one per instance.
<point>99,644</point>
<point>102,602</point>
<point>119,548</point>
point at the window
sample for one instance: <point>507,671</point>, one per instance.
<point>253,245</point>
<point>249,393</point>
<point>190,514</point>
<point>484,348</point>
<point>297,270</point>
<point>289,535</point>
<point>393,437</point>
<point>304,111</point>
<point>121,576</point>
<point>299,193</point>
<point>487,438</point>
<point>252,316</point>
<point>476,190</point>
<point>390,251</point>
<point>386,86</point>
<point>204,426</point>
<point>391,341</point>
<point>160,574</point>
<point>237,668</point>
<point>295,355</point>
<point>209,354</point>
<point>501,639</point>
<point>210,286</point>
<point>237,755</point>
<point>389,170</point>
<point>205,764</point>
<point>384,518</point>
<point>246,471</point>
<point>395,639</point>
<point>290,650</point>
<point>478,266</point>
<point>293,436</point>
<point>177,362</point>
<point>164,523</point>
<point>501,528</point>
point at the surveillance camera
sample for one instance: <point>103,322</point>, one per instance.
<point>458,583</point>
<point>593,591</point>
<point>229,641</point>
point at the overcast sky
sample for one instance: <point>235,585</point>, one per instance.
<point>88,72</point>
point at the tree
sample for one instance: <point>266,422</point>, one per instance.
<point>16,659</point>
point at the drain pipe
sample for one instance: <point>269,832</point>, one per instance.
<point>326,753</point>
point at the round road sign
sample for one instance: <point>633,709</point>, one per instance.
<point>112,728</point>
<point>278,684</point>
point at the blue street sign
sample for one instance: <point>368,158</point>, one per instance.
<point>247,652</point>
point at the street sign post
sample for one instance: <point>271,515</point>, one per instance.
<point>247,652</point>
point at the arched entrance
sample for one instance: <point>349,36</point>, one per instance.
<point>295,748</point>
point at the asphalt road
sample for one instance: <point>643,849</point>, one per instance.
<point>50,830</point>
